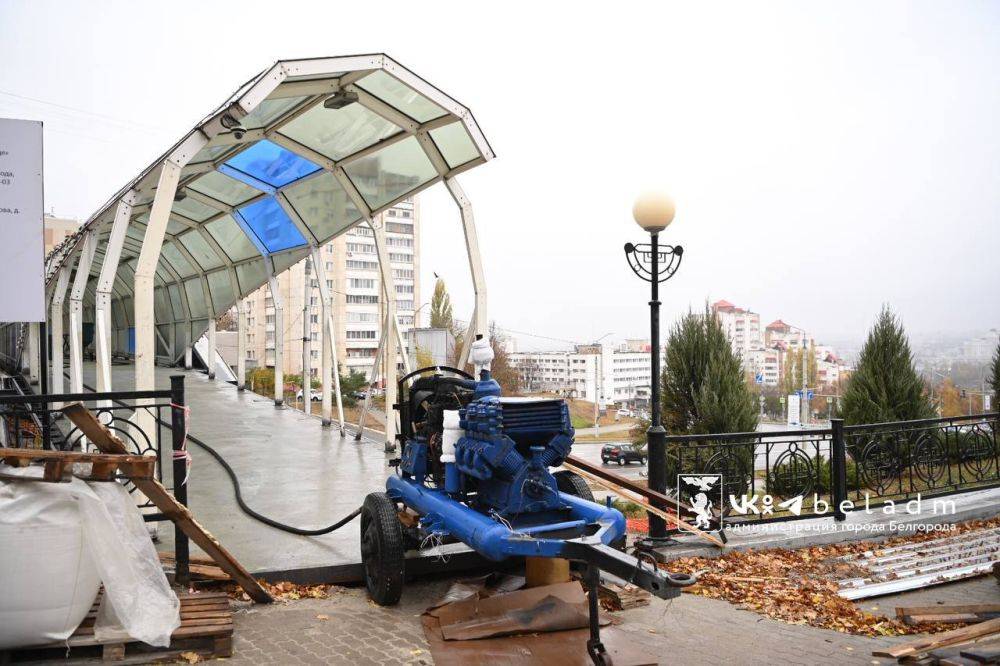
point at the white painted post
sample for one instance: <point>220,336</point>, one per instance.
<point>145,271</point>
<point>329,346</point>
<point>33,352</point>
<point>188,355</point>
<point>210,361</point>
<point>102,293</point>
<point>306,337</point>
<point>241,345</point>
<point>56,327</point>
<point>389,332</point>
<point>279,341</point>
<point>479,323</point>
<point>76,312</point>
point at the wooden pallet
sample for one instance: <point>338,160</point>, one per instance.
<point>61,465</point>
<point>206,628</point>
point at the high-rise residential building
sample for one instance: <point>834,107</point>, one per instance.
<point>785,335</point>
<point>352,275</point>
<point>741,326</point>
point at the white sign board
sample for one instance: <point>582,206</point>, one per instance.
<point>986,402</point>
<point>794,407</point>
<point>22,227</point>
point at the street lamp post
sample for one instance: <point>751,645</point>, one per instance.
<point>655,264</point>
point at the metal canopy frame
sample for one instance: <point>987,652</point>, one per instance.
<point>178,246</point>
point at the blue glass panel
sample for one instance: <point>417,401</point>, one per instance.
<point>272,164</point>
<point>271,225</point>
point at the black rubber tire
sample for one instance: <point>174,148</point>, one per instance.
<point>621,461</point>
<point>642,461</point>
<point>382,554</point>
<point>573,484</point>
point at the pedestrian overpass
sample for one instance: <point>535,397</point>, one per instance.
<point>298,155</point>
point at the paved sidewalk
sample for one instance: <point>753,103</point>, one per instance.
<point>686,630</point>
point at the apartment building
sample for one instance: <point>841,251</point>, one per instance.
<point>741,326</point>
<point>785,335</point>
<point>611,375</point>
<point>56,229</point>
<point>352,275</point>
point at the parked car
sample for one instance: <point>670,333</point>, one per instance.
<point>625,412</point>
<point>621,454</point>
<point>315,397</point>
<point>358,395</point>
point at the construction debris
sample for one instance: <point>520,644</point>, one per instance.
<point>916,565</point>
<point>801,586</point>
<point>948,614</point>
<point>946,639</point>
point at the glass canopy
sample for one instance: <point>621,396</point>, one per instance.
<point>300,154</point>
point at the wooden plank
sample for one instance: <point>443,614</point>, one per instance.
<point>949,618</point>
<point>945,639</point>
<point>622,482</point>
<point>902,611</point>
<point>669,517</point>
<point>987,652</point>
<point>55,471</point>
<point>106,441</point>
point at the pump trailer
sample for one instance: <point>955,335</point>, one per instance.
<point>474,468</point>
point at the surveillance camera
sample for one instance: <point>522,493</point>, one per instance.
<point>239,132</point>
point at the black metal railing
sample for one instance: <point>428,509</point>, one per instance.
<point>789,474</point>
<point>37,421</point>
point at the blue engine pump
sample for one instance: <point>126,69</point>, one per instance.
<point>502,462</point>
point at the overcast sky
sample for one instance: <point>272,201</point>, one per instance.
<point>825,157</point>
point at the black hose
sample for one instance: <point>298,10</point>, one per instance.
<point>264,519</point>
<point>239,495</point>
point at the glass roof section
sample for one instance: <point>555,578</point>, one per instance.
<point>400,96</point>
<point>323,205</point>
<point>271,225</point>
<point>391,172</point>
<point>455,145</point>
<point>337,133</point>
<point>271,164</point>
<point>223,188</point>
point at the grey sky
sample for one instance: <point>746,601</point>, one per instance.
<point>825,157</point>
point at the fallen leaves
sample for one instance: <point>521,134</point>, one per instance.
<point>798,586</point>
<point>286,591</point>
<point>191,657</point>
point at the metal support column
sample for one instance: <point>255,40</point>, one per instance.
<point>34,350</point>
<point>210,360</point>
<point>391,339</point>
<point>188,355</point>
<point>479,323</point>
<point>307,337</point>
<point>145,271</point>
<point>56,328</point>
<point>241,345</point>
<point>102,293</point>
<point>329,346</point>
<point>178,430</point>
<point>76,312</point>
<point>279,340</point>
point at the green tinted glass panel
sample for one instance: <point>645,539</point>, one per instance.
<point>323,205</point>
<point>194,210</point>
<point>175,301</point>
<point>397,94</point>
<point>268,111</point>
<point>251,275</point>
<point>196,297</point>
<point>286,259</point>
<point>223,188</point>
<point>222,291</point>
<point>231,238</point>
<point>174,227</point>
<point>200,249</point>
<point>455,144</point>
<point>209,153</point>
<point>338,133</point>
<point>180,264</point>
<point>392,172</point>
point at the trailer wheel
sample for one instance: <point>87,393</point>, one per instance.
<point>382,549</point>
<point>573,484</point>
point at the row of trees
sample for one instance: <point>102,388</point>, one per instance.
<point>704,389</point>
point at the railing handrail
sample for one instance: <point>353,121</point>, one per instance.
<point>748,435</point>
<point>918,422</point>
<point>36,399</point>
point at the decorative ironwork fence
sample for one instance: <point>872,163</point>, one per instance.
<point>789,474</point>
<point>37,421</point>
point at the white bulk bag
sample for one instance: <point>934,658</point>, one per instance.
<point>58,542</point>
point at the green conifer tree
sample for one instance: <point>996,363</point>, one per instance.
<point>885,385</point>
